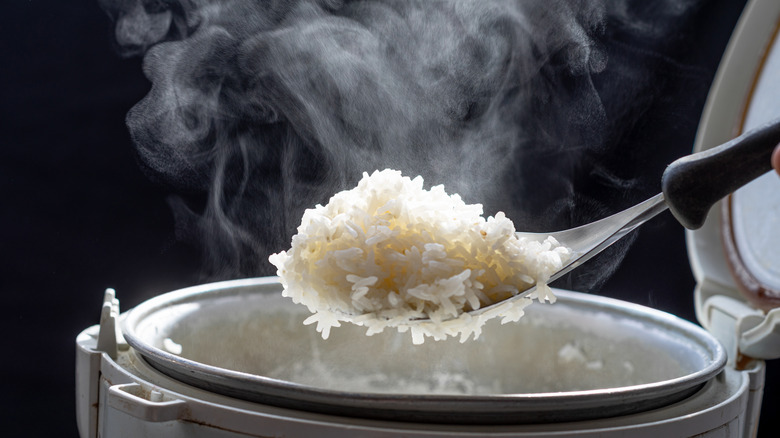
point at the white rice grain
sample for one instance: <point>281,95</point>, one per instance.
<point>389,252</point>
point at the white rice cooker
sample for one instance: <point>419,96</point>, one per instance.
<point>233,359</point>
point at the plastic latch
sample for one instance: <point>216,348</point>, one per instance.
<point>742,329</point>
<point>146,404</point>
<point>110,339</point>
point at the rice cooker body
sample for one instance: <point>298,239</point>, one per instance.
<point>120,390</point>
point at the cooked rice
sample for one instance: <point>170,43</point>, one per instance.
<point>389,252</point>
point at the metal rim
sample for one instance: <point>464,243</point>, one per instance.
<point>465,409</point>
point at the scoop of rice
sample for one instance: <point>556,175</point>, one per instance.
<point>389,253</point>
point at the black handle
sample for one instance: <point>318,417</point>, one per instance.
<point>694,183</point>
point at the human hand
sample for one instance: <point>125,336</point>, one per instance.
<point>776,159</point>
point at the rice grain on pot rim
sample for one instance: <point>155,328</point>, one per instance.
<point>388,253</point>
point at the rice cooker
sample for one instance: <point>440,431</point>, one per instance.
<point>233,359</point>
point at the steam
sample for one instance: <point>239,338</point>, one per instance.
<point>260,109</point>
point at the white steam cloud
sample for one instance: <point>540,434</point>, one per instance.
<point>260,109</point>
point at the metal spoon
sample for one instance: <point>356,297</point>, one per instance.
<point>691,185</point>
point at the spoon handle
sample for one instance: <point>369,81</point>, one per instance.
<point>693,183</point>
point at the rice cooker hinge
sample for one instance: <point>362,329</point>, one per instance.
<point>743,330</point>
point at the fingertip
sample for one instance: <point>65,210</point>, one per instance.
<point>776,159</point>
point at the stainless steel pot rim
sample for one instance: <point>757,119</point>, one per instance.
<point>224,380</point>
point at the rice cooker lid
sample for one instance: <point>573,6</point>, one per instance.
<point>735,256</point>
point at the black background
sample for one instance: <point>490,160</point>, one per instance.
<point>78,216</point>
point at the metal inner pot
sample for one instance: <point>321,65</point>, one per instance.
<point>583,357</point>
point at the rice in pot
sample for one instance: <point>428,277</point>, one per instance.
<point>389,253</point>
